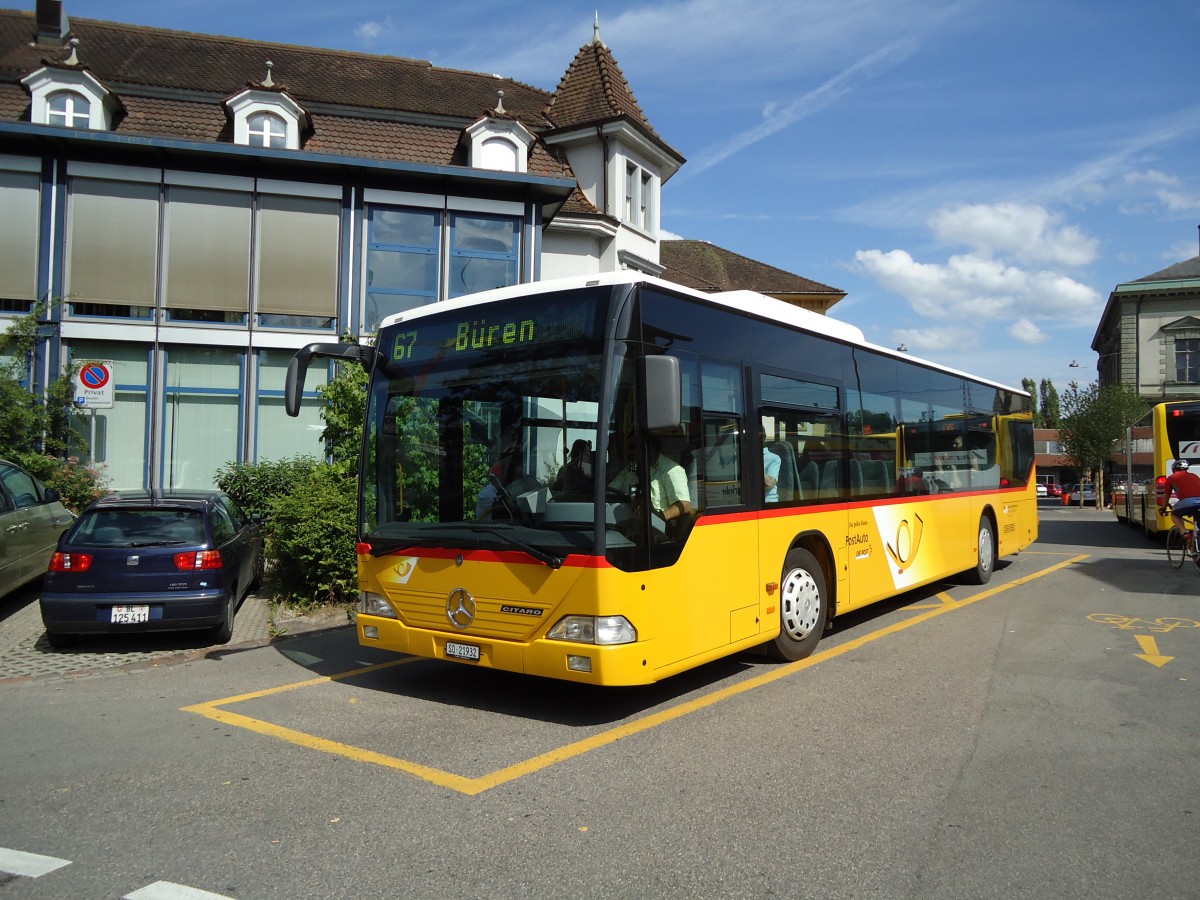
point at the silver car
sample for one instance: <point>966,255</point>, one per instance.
<point>31,520</point>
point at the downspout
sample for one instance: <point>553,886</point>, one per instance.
<point>604,186</point>
<point>604,179</point>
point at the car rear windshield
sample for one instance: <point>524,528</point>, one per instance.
<point>124,527</point>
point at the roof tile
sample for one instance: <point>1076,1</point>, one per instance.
<point>707,267</point>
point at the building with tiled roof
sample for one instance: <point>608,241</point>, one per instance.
<point>193,208</point>
<point>204,205</point>
<point>1149,334</point>
<point>707,267</point>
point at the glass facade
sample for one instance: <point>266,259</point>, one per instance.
<point>200,286</point>
<point>278,435</point>
<point>117,437</point>
<point>202,414</point>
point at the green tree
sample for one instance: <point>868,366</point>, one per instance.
<point>1051,410</point>
<point>1031,388</point>
<point>36,430</point>
<point>344,413</point>
<point>1094,419</point>
<point>31,424</point>
<point>312,527</point>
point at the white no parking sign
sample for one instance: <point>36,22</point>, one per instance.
<point>94,384</point>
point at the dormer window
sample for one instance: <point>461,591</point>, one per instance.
<point>498,144</point>
<point>267,130</point>
<point>68,108</point>
<point>639,197</point>
<point>70,97</point>
<point>263,118</point>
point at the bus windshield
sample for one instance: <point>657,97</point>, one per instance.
<point>480,432</point>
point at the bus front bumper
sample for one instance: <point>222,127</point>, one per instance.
<point>620,664</point>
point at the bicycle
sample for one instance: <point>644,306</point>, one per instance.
<point>1183,544</point>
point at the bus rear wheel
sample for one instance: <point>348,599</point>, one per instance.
<point>803,607</point>
<point>986,559</point>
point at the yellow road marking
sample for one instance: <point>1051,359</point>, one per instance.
<point>471,786</point>
<point>1150,651</point>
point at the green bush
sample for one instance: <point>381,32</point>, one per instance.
<point>77,484</point>
<point>255,485</point>
<point>311,538</point>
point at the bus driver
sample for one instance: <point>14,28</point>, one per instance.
<point>669,495</point>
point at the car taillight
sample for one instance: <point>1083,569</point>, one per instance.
<point>70,562</point>
<point>198,559</point>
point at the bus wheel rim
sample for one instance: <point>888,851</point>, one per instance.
<point>800,604</point>
<point>985,550</point>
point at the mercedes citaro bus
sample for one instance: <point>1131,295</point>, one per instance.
<point>809,473</point>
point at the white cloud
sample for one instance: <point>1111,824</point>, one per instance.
<point>1167,189</point>
<point>776,118</point>
<point>1027,332</point>
<point>1030,232</point>
<point>370,33</point>
<point>933,340</point>
<point>970,287</point>
<point>1179,251</point>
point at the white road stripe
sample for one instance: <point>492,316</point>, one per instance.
<point>167,890</point>
<point>31,865</point>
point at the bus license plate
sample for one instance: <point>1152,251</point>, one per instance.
<point>130,615</point>
<point>462,651</point>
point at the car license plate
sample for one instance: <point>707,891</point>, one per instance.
<point>462,651</point>
<point>130,615</point>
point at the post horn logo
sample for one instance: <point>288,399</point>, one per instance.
<point>903,550</point>
<point>460,608</point>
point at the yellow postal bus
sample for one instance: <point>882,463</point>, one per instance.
<point>614,479</point>
<point>1141,463</point>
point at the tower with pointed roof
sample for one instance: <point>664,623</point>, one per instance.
<point>620,162</point>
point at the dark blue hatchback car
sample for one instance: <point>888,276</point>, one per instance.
<point>136,561</point>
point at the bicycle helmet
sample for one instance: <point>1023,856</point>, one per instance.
<point>1180,465</point>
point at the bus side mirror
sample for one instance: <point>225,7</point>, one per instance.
<point>293,386</point>
<point>663,394</point>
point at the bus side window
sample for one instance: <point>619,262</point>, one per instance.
<point>809,446</point>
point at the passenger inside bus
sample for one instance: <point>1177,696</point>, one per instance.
<point>771,473</point>
<point>669,496</point>
<point>507,483</point>
<point>576,476</point>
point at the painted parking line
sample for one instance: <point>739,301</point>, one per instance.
<point>28,865</point>
<point>216,710</point>
<point>168,890</point>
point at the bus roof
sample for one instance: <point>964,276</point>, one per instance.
<point>756,304</point>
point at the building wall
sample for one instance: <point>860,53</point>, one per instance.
<point>566,253</point>
<point>199,286</point>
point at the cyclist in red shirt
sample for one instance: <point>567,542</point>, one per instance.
<point>1186,486</point>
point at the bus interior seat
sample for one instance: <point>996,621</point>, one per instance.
<point>809,480</point>
<point>831,478</point>
<point>874,476</point>
<point>695,486</point>
<point>788,486</point>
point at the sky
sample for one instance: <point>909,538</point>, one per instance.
<point>977,176</point>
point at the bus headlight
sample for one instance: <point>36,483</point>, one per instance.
<point>372,604</point>
<point>594,630</point>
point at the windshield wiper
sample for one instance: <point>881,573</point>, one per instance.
<point>541,556</point>
<point>429,538</point>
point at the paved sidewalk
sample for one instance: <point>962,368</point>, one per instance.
<point>24,652</point>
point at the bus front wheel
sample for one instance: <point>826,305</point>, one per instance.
<point>803,607</point>
<point>986,558</point>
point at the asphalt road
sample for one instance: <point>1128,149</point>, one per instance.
<point>1033,738</point>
